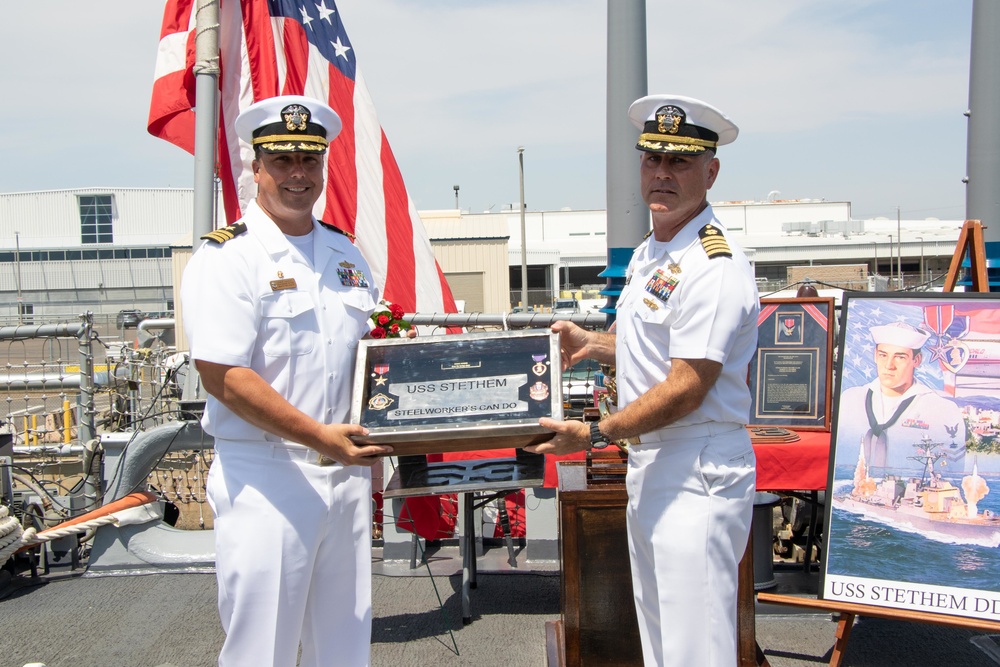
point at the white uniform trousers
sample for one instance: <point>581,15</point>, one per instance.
<point>293,557</point>
<point>689,511</point>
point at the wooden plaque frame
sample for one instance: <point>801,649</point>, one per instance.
<point>795,344</point>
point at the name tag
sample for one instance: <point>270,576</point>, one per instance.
<point>282,284</point>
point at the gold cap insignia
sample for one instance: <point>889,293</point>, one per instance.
<point>296,116</point>
<point>669,119</point>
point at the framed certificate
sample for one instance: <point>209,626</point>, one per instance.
<point>791,373</point>
<point>458,392</point>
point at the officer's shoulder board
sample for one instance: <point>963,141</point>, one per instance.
<point>333,228</point>
<point>226,233</point>
<point>714,242</point>
<point>647,235</point>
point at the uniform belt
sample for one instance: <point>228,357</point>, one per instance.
<point>685,432</point>
<point>286,451</point>
<point>296,452</point>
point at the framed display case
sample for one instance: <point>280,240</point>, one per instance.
<point>458,392</point>
<point>791,373</point>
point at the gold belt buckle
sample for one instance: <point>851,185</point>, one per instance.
<point>325,461</point>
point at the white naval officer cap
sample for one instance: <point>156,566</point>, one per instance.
<point>288,123</point>
<point>900,334</point>
<point>677,124</point>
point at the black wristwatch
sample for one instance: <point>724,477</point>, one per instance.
<point>597,439</point>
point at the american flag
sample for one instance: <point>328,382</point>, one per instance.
<point>296,47</point>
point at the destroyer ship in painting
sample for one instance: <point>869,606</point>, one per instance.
<point>929,504</point>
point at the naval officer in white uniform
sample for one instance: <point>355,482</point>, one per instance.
<point>686,329</point>
<point>274,306</point>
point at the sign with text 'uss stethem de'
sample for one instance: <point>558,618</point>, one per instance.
<point>460,392</point>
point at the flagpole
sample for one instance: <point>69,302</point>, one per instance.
<point>206,72</point>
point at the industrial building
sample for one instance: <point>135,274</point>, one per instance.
<point>63,252</point>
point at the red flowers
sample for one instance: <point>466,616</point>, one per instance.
<point>387,321</point>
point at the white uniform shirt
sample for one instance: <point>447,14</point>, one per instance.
<point>707,310</point>
<point>301,338</point>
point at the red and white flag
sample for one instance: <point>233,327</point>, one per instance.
<point>292,47</point>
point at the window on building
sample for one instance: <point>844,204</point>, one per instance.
<point>95,218</point>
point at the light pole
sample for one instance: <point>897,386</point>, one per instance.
<point>899,251</point>
<point>890,259</point>
<point>922,277</point>
<point>17,263</point>
<point>456,197</point>
<point>524,242</point>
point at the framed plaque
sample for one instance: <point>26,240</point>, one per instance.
<point>460,392</point>
<point>790,375</point>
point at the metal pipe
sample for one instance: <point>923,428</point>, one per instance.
<point>628,217</point>
<point>85,399</point>
<point>64,330</point>
<point>983,148</point>
<point>144,451</point>
<point>35,450</point>
<point>163,323</point>
<point>17,262</point>
<point>517,320</point>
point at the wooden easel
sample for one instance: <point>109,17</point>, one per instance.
<point>971,244</point>
<point>848,611</point>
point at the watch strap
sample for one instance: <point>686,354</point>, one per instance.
<point>597,439</point>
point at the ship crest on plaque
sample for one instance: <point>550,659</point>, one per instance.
<point>539,391</point>
<point>379,402</point>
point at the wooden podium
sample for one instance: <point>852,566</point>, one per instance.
<point>598,626</point>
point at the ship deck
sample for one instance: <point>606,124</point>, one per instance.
<point>169,620</point>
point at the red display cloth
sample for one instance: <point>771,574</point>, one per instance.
<point>794,466</point>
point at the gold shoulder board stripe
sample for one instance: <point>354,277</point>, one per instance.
<point>333,228</point>
<point>647,235</point>
<point>714,242</point>
<point>226,233</point>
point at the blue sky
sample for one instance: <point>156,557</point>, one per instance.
<point>858,100</point>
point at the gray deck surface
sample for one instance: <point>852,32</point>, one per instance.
<point>169,620</point>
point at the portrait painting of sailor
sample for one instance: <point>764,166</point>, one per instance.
<point>915,466</point>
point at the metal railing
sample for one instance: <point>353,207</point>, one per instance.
<point>64,385</point>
